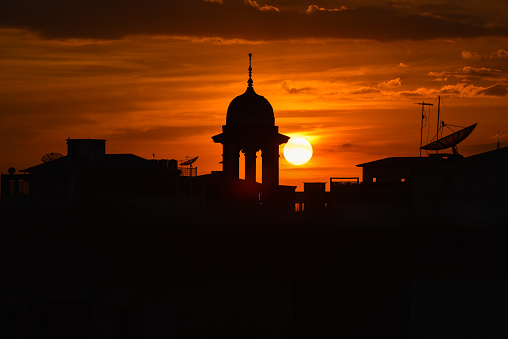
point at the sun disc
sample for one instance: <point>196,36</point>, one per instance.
<point>298,151</point>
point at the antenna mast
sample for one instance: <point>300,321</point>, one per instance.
<point>437,131</point>
<point>498,144</point>
<point>421,128</point>
<point>250,71</point>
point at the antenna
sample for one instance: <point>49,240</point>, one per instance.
<point>421,128</point>
<point>437,130</point>
<point>250,70</point>
<point>50,157</point>
<point>498,144</point>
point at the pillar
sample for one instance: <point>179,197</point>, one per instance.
<point>250,164</point>
<point>230,162</point>
<point>270,165</point>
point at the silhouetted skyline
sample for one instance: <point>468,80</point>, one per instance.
<point>344,75</point>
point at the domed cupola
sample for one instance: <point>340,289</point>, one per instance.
<point>250,127</point>
<point>250,108</point>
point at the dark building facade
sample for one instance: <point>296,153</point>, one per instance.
<point>440,187</point>
<point>88,173</point>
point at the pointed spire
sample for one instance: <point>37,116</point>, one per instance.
<point>250,70</point>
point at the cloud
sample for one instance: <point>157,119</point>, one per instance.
<point>347,146</point>
<point>501,54</point>
<point>471,56</point>
<point>269,8</point>
<point>314,8</point>
<point>430,15</point>
<point>475,56</point>
<point>160,133</point>
<point>391,83</point>
<point>481,72</point>
<point>470,73</point>
<point>497,90</point>
<point>294,90</point>
<point>440,79</point>
<point>265,8</point>
<point>403,4</point>
<point>461,90</point>
<point>94,19</point>
<point>365,90</point>
<point>216,1</point>
<point>403,65</point>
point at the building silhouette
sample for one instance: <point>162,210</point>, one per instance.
<point>250,127</point>
<point>88,179</point>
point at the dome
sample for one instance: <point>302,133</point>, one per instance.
<point>250,109</point>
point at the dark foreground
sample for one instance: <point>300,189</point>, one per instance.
<point>140,276</point>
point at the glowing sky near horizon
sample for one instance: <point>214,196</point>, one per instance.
<point>157,77</point>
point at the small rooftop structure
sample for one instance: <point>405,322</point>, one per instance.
<point>395,169</point>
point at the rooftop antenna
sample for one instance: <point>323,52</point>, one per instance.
<point>498,144</point>
<point>423,103</point>
<point>437,130</point>
<point>250,70</point>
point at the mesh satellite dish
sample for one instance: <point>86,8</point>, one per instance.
<point>450,140</point>
<point>51,156</point>
<point>188,162</point>
<point>188,171</point>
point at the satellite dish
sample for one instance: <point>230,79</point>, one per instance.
<point>51,156</point>
<point>188,162</point>
<point>450,141</point>
<point>11,170</point>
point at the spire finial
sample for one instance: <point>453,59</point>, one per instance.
<point>250,70</point>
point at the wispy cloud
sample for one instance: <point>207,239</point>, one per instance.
<point>471,55</point>
<point>347,147</point>
<point>501,54</point>
<point>475,56</point>
<point>314,8</point>
<point>394,83</point>
<point>365,90</point>
<point>469,72</point>
<point>460,90</point>
<point>293,90</point>
<point>265,8</point>
<point>498,90</point>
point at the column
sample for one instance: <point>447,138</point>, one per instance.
<point>270,165</point>
<point>230,162</point>
<point>250,164</point>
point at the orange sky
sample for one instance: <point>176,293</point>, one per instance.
<point>151,78</point>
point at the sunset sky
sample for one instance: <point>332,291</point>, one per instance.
<point>156,77</point>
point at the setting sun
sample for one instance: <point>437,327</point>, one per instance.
<point>298,151</point>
